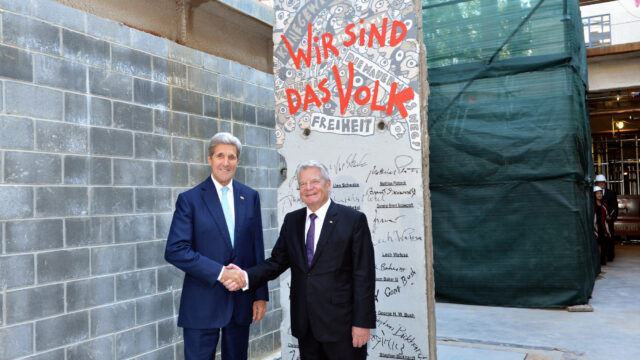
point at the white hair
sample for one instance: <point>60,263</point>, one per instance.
<point>224,138</point>
<point>313,163</point>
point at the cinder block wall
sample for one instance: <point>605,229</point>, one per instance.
<point>101,126</point>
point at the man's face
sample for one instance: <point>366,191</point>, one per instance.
<point>602,184</point>
<point>314,189</point>
<point>223,163</point>
<point>599,195</point>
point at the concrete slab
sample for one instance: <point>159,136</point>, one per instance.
<point>448,352</point>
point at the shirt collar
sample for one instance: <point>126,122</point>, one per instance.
<point>322,211</point>
<point>219,186</point>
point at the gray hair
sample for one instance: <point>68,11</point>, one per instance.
<point>224,138</point>
<point>313,163</point>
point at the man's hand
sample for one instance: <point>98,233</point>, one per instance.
<point>360,336</point>
<point>233,278</point>
<point>259,308</point>
<point>608,218</point>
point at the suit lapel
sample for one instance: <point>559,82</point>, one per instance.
<point>301,237</point>
<point>240,210</point>
<point>212,201</point>
<point>328,225</point>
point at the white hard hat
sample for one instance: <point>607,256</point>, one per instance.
<point>597,188</point>
<point>601,178</point>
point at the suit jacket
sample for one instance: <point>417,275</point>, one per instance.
<point>200,245</point>
<point>337,291</point>
<point>610,198</point>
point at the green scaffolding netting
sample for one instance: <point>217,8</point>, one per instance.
<point>510,162</point>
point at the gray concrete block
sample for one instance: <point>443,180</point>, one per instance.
<point>56,13</point>
<point>265,80</point>
<point>98,349</point>
<point>238,131</point>
<point>211,106</point>
<point>243,72</point>
<point>224,126</point>
<point>24,305</point>
<point>197,173</point>
<point>130,61</point>
<point>132,172</point>
<point>171,174</point>
<point>135,341</point>
<point>150,254</point>
<point>230,88</point>
<point>268,158</point>
<point>62,330</point>
<point>134,228</point>
<point>60,73</point>
<point>17,341</point>
<point>60,137</point>
<point>176,301</point>
<point>169,278</point>
<point>266,219</point>
<point>180,350</point>
<point>31,34</point>
<point>109,200</point>
<point>133,117</point>
<point>154,308</point>
<point>15,64</point>
<point>187,150</point>
<point>110,84</point>
<point>85,49</point>
<point>266,117</point>
<point>171,123</point>
<point>87,170</point>
<point>166,352</point>
<point>248,114</point>
<point>151,93</point>
<point>256,136</point>
<point>202,81</point>
<point>76,108</point>
<point>100,112</point>
<point>90,292</point>
<point>257,177</point>
<point>61,201</point>
<point>88,231</point>
<point>30,100</point>
<point>270,236</point>
<point>163,223</point>
<point>135,284</point>
<point>261,346</point>
<point>186,101</point>
<point>153,199</point>
<point>170,72</point>
<point>268,198</point>
<point>112,259</point>
<point>202,127</point>
<point>275,177</point>
<point>23,7</point>
<point>185,54</point>
<point>150,43</point>
<point>249,156</point>
<point>108,29</point>
<point>240,174</point>
<point>216,64</point>
<point>32,168</point>
<point>108,319</point>
<point>263,97</point>
<point>168,331</point>
<point>153,147</point>
<point>225,109</point>
<point>111,142</point>
<point>62,265</point>
<point>49,355</point>
<point>272,321</point>
<point>16,133</point>
<point>272,139</point>
<point>17,270</point>
<point>17,202</point>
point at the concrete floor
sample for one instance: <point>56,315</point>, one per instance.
<point>610,332</point>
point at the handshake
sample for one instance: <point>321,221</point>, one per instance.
<point>234,278</point>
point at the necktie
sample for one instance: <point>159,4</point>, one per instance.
<point>228,214</point>
<point>310,237</point>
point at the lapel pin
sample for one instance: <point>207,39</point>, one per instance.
<point>330,221</point>
<point>241,197</point>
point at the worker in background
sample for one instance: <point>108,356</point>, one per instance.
<point>600,226</point>
<point>610,199</point>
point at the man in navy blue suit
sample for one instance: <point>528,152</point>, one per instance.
<point>215,224</point>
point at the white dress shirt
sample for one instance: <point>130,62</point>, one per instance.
<point>321,214</point>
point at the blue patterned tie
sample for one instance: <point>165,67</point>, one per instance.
<point>310,237</point>
<point>228,215</point>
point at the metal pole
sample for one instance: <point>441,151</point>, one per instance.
<point>637,168</point>
<point>621,164</point>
